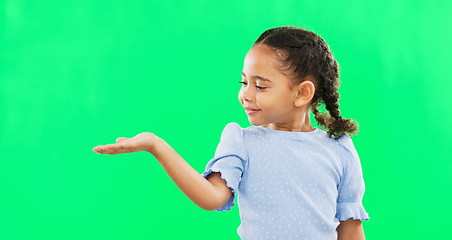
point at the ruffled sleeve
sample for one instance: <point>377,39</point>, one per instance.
<point>230,160</point>
<point>351,187</point>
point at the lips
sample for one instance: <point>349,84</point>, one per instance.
<point>251,111</point>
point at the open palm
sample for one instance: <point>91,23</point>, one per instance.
<point>141,142</point>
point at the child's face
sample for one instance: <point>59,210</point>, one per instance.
<point>266,94</point>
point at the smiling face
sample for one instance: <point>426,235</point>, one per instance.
<point>266,92</point>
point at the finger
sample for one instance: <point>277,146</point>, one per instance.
<point>121,139</point>
<point>107,149</point>
<point>113,149</point>
<point>98,148</point>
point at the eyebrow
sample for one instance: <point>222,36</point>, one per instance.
<point>259,77</point>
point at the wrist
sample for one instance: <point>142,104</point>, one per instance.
<point>154,145</point>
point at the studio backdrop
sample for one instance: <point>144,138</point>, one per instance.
<point>77,74</point>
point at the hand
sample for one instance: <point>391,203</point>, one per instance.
<point>141,142</point>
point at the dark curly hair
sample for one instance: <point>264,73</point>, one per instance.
<point>304,53</point>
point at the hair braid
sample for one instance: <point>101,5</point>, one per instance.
<point>305,53</point>
<point>329,83</point>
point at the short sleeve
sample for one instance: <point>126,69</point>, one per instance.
<point>230,160</point>
<point>351,187</point>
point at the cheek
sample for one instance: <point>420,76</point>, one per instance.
<point>264,101</point>
<point>272,102</point>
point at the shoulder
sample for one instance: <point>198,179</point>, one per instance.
<point>232,141</point>
<point>250,133</point>
<point>235,129</point>
<point>349,154</point>
<point>343,146</point>
<point>232,127</point>
<point>232,130</point>
<point>345,141</point>
<point>232,133</point>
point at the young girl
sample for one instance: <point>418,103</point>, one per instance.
<point>292,181</point>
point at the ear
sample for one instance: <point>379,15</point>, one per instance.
<point>305,93</point>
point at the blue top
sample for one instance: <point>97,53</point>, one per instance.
<point>290,185</point>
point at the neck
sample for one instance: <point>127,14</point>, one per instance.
<point>302,123</point>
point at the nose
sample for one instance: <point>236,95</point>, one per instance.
<point>245,94</point>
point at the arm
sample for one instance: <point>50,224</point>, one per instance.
<point>350,230</point>
<point>208,194</point>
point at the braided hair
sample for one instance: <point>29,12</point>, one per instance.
<point>304,53</point>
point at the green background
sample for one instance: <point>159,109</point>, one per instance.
<point>76,74</point>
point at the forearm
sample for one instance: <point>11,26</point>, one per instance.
<point>202,192</point>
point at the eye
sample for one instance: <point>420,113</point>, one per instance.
<point>244,83</point>
<point>260,88</point>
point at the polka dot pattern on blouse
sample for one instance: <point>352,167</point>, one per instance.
<point>289,185</point>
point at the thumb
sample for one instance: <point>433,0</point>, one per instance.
<point>121,139</point>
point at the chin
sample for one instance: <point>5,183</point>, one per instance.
<point>256,122</point>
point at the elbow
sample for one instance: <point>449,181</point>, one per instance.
<point>210,206</point>
<point>217,196</point>
<point>212,203</point>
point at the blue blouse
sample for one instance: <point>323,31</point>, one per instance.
<point>289,185</point>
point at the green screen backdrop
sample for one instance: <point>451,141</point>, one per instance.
<point>76,74</point>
